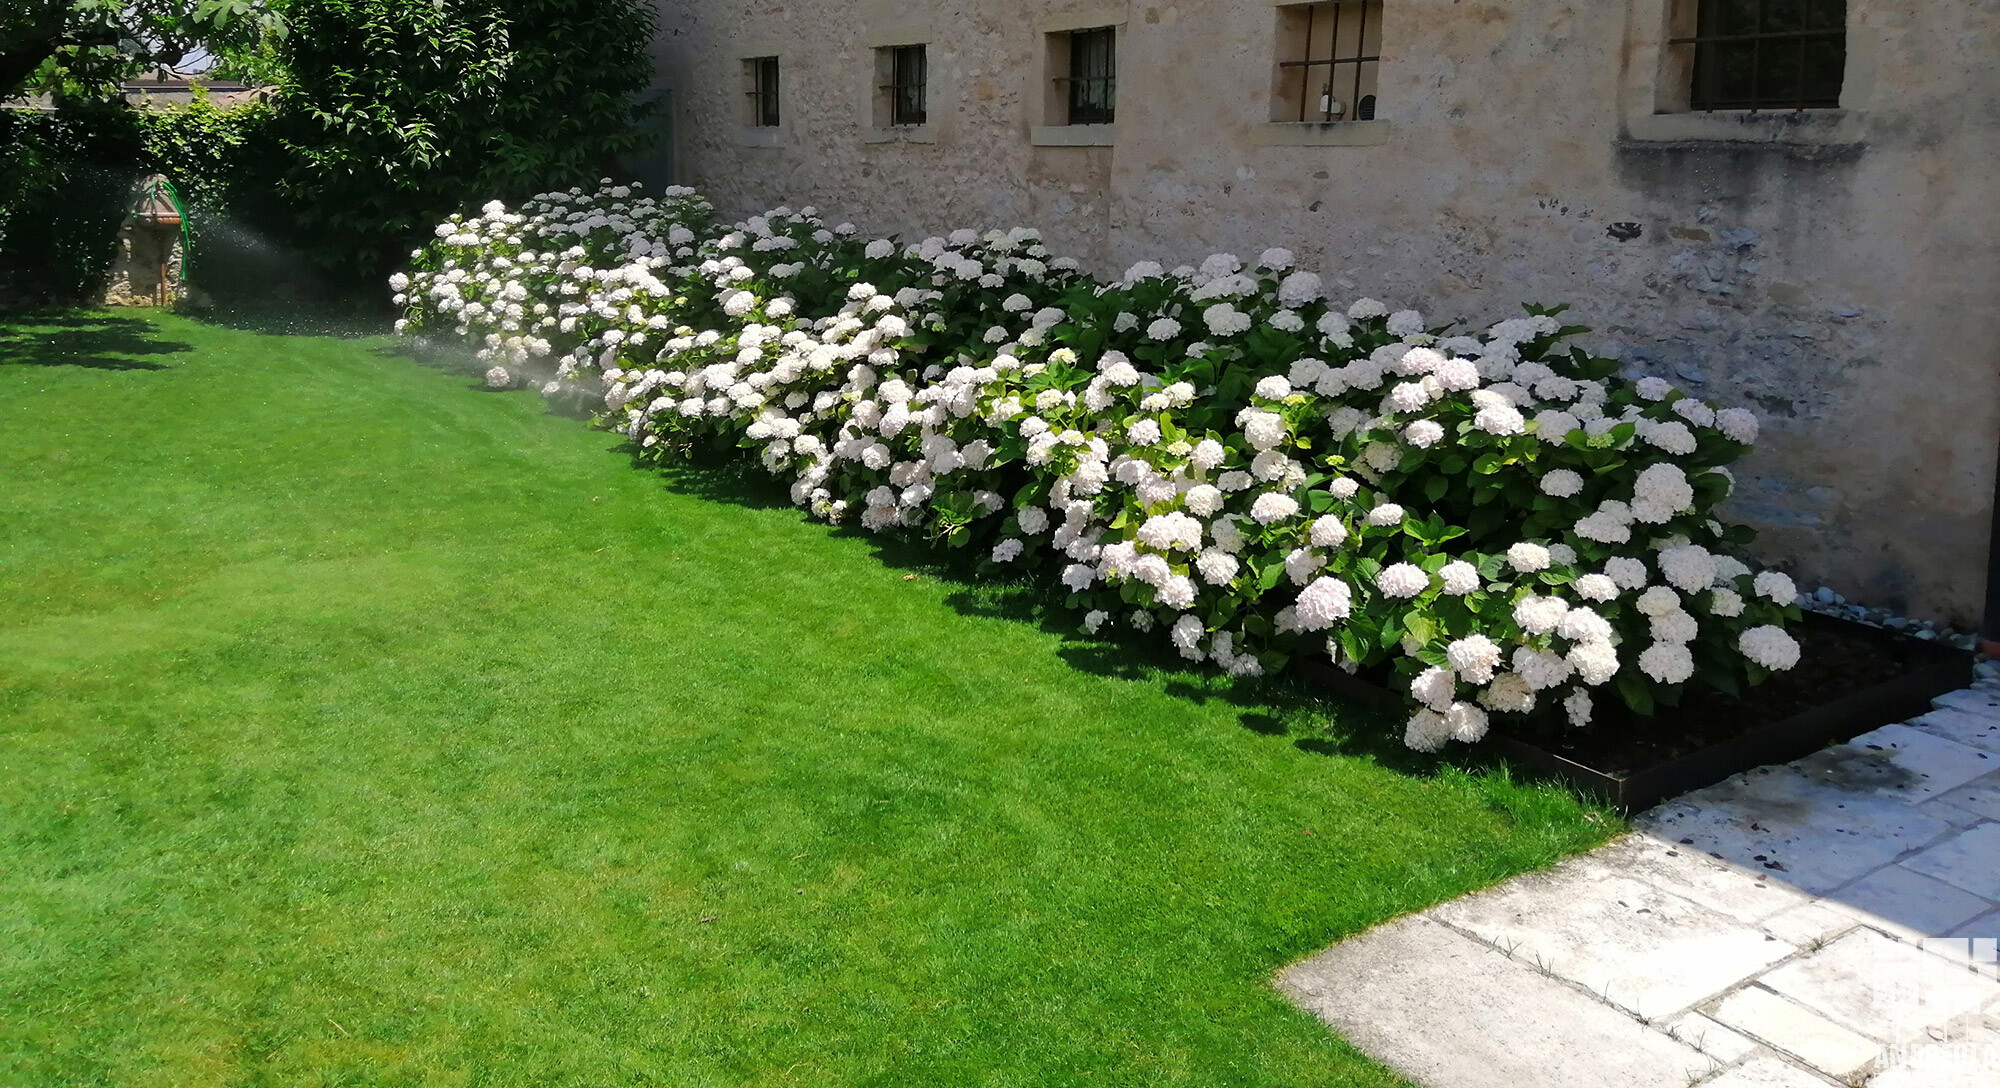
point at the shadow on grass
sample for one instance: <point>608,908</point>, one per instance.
<point>298,318</point>
<point>95,340</point>
<point>1280,706</point>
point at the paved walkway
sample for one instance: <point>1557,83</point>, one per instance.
<point>1827,922</point>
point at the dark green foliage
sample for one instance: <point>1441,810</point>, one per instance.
<point>66,186</point>
<point>393,114</point>
<point>400,111</point>
<point>64,181</point>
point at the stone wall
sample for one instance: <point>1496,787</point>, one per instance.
<point>145,252</point>
<point>1836,270</point>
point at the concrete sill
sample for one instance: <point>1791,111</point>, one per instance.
<point>1074,135</point>
<point>1322,134</point>
<point>757,135</point>
<point>900,134</point>
<point>1807,128</point>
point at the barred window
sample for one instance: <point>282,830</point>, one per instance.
<point>904,98</point>
<point>760,88</point>
<point>1093,76</point>
<point>1330,59</point>
<point>1767,54</point>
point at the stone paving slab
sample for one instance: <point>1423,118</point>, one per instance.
<point>1882,988</point>
<point>1907,904</point>
<point>1772,931</point>
<point>1783,821</point>
<point>1970,859</point>
<point>1979,730</point>
<point>1443,1009</point>
<point>1648,952</point>
<point>1800,1032</point>
<point>1979,798</point>
<point>1899,762</point>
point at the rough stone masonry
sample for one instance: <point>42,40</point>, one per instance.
<point>1835,269</point>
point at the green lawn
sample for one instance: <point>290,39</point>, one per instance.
<point>360,727</point>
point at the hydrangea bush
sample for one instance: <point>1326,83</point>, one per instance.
<point>1498,520</point>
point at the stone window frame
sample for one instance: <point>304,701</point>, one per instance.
<point>876,41</point>
<point>1345,133</point>
<point>1656,82</point>
<point>780,134</point>
<point>1048,96</point>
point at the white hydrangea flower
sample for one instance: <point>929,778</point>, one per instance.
<point>1216,567</point>
<point>1539,615</point>
<point>1434,687</point>
<point>1628,573</point>
<point>1225,320</point>
<point>1577,706</point>
<point>1272,507</point>
<point>1675,626</point>
<point>1509,694</point>
<point>1584,625</point>
<point>1776,587</point>
<point>1672,436</point>
<point>1737,425</point>
<point>1424,433</point>
<point>1427,731</point>
<point>1165,328</point>
<point>1540,669</point>
<point>1324,602</point>
<point>1402,580</point>
<point>1596,587</point>
<point>1327,531</point>
<point>1594,662</point>
<point>1770,647</point>
<point>1667,662</point>
<point>1528,558</point>
<point>1459,577</point>
<point>1299,289</point>
<point>1689,567</point>
<point>1474,658</point>
<point>1467,722</point>
<point>1385,515</point>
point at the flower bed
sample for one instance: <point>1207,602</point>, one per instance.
<point>1218,452</point>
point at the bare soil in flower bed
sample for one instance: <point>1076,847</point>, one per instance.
<point>1850,679</point>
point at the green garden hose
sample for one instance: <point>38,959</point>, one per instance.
<point>187,234</point>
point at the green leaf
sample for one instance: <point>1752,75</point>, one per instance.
<point>1633,688</point>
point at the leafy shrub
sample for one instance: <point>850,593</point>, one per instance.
<point>66,187</point>
<point>396,111</point>
<point>1499,519</point>
<point>65,182</point>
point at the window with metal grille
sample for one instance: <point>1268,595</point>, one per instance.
<point>1093,76</point>
<point>908,69</point>
<point>760,82</point>
<point>1330,59</point>
<point>1767,54</point>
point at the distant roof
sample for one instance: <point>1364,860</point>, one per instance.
<point>165,94</point>
<point>162,93</point>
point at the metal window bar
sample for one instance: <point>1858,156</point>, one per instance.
<point>1332,62</point>
<point>1816,46</point>
<point>1093,76</point>
<point>763,92</point>
<point>909,72</point>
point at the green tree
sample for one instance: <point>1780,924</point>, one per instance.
<point>396,112</point>
<point>80,49</point>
